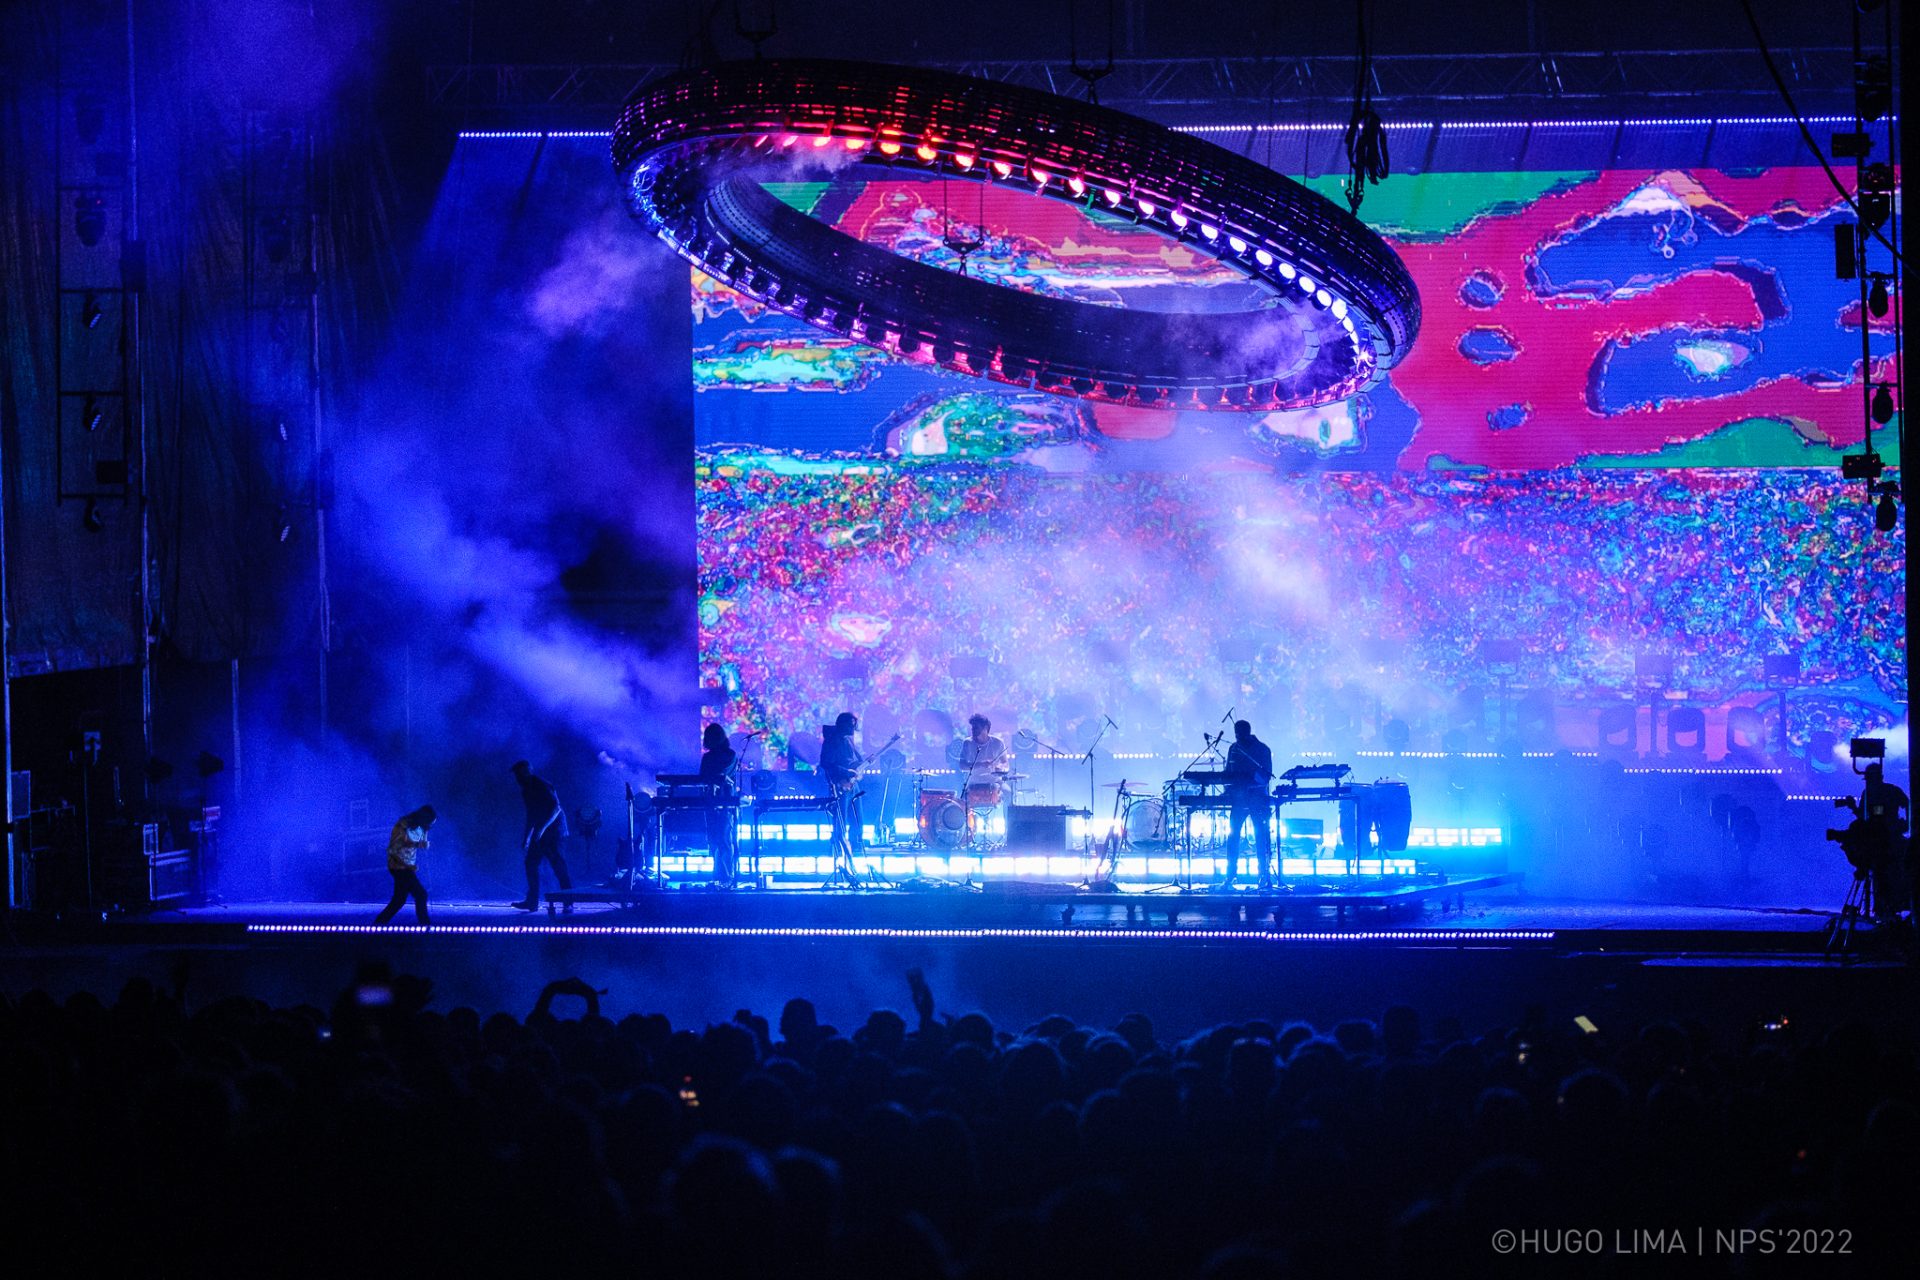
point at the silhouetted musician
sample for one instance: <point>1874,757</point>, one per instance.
<point>717,763</point>
<point>1249,772</point>
<point>840,763</point>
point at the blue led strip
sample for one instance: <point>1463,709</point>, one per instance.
<point>859,932</point>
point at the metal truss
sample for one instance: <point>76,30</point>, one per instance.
<point>1648,82</point>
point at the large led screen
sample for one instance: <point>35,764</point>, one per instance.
<point>1613,452</point>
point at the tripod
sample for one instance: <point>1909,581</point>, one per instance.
<point>1848,931</point>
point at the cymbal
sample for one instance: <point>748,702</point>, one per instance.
<point>931,773</point>
<point>1015,777</point>
<point>1130,786</point>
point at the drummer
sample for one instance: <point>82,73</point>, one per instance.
<point>983,757</point>
<point>983,760</point>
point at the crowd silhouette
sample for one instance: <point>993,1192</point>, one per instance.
<point>382,1135</point>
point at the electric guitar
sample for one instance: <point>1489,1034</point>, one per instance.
<point>849,789</point>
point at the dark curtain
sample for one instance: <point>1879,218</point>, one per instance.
<point>235,482</point>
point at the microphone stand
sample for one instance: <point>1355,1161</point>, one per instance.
<point>1057,754</point>
<point>1106,723</point>
<point>1186,819</point>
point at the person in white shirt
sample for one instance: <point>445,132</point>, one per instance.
<point>983,758</point>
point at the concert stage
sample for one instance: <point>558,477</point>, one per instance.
<point>1486,912</point>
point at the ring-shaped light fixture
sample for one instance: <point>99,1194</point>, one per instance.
<point>693,150</point>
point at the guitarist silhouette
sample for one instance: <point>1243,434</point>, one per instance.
<point>840,763</point>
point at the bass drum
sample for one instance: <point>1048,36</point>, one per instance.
<point>1147,824</point>
<point>943,822</point>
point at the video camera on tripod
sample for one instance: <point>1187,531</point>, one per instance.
<point>1878,817</point>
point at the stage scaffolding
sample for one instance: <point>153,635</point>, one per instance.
<point>1636,84</point>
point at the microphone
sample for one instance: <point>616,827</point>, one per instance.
<point>1227,718</point>
<point>757,733</point>
<point>1110,723</point>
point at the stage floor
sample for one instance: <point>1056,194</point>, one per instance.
<point>1463,917</point>
<point>1186,962</point>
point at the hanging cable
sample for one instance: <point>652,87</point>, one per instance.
<point>959,243</point>
<point>1806,132</point>
<point>1366,137</point>
<point>1091,74</point>
<point>759,32</point>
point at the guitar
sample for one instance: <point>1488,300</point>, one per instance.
<point>843,791</point>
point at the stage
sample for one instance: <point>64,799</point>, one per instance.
<point>1480,912</point>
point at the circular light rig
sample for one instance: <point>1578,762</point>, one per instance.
<point>694,150</point>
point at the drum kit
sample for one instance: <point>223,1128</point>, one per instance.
<point>957,815</point>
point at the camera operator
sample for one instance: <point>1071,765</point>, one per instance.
<point>1875,842</point>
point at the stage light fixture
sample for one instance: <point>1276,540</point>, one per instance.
<point>686,147</point>
<point>1861,466</point>
<point>1881,406</point>
<point>91,315</point>
<point>1886,516</point>
<point>89,218</point>
<point>1872,87</point>
<point>91,518</point>
<point>92,415</point>
<point>1875,208</point>
<point>1877,300</point>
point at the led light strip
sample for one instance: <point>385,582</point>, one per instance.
<point>1322,126</point>
<point>877,932</point>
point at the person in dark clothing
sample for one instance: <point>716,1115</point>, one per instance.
<point>1249,773</point>
<point>408,838</point>
<point>1883,814</point>
<point>717,762</point>
<point>840,763</point>
<point>546,823</point>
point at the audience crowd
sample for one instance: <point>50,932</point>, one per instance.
<point>385,1136</point>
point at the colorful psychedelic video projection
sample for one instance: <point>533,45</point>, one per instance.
<point>1608,473</point>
